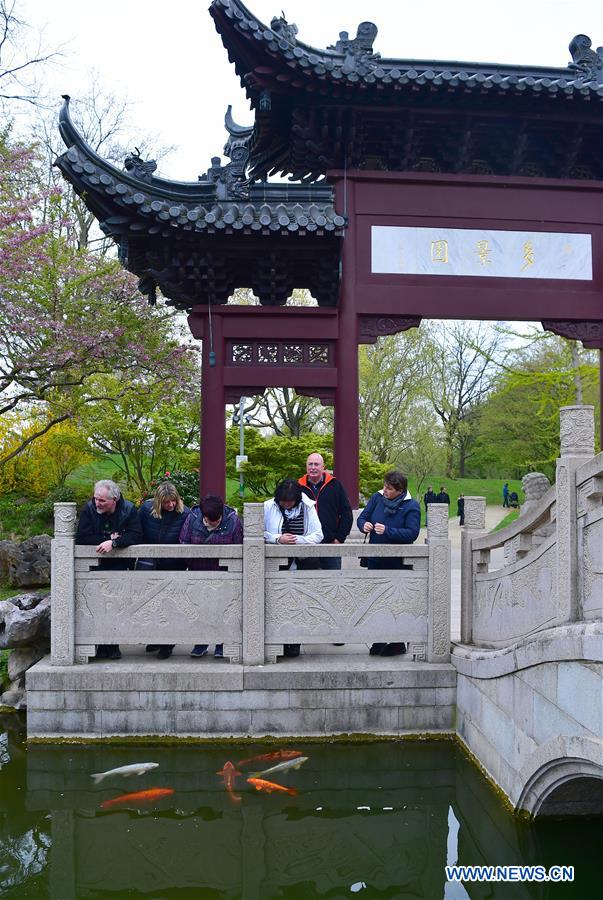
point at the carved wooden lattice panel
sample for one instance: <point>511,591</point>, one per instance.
<point>280,353</point>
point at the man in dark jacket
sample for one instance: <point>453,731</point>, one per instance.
<point>333,508</point>
<point>429,496</point>
<point>443,496</point>
<point>109,522</point>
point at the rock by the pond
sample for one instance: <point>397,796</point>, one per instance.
<point>20,627</point>
<point>20,661</point>
<point>29,562</point>
<point>7,549</point>
<point>14,697</point>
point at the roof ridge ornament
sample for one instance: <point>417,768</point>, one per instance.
<point>586,61</point>
<point>358,51</point>
<point>231,180</point>
<point>138,167</point>
<point>285,30</point>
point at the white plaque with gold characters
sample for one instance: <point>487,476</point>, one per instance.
<point>466,251</point>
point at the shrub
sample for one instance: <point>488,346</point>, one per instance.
<point>61,494</point>
<point>186,483</point>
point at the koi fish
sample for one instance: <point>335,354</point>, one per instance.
<point>276,756</point>
<point>126,771</point>
<point>137,797</point>
<point>229,773</point>
<point>284,766</point>
<point>270,786</point>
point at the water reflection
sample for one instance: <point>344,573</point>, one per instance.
<point>378,820</point>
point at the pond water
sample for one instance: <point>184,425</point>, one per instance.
<point>373,820</point>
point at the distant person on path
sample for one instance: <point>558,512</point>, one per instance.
<point>212,522</point>
<point>390,517</point>
<point>443,496</point>
<point>111,523</point>
<point>332,506</point>
<point>291,518</point>
<point>505,493</point>
<point>429,496</point>
<point>460,509</point>
<point>162,518</point>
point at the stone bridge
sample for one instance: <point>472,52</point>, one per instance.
<point>522,690</point>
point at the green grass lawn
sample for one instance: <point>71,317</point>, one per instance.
<point>490,488</point>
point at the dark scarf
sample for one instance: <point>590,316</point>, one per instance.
<point>392,506</point>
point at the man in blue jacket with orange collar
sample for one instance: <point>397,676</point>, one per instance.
<point>333,508</point>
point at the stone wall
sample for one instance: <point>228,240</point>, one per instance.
<point>535,710</point>
<point>300,697</point>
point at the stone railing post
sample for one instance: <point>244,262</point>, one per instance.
<point>475,523</point>
<point>253,585</point>
<point>438,611</point>
<point>62,586</point>
<point>577,433</point>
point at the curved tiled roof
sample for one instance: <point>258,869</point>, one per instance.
<point>238,27</point>
<point>171,234</point>
<point>125,203</point>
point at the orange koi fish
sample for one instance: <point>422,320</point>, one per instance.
<point>229,773</point>
<point>276,756</point>
<point>270,786</point>
<point>137,797</point>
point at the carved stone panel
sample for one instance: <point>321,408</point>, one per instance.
<point>64,519</point>
<point>365,607</point>
<point>577,428</point>
<point>592,570</point>
<point>167,608</point>
<point>512,603</point>
<point>62,600</point>
<point>475,512</point>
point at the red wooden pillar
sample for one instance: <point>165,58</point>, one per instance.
<point>213,420</point>
<point>346,437</point>
<point>601,399</point>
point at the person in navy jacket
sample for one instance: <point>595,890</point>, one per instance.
<point>390,517</point>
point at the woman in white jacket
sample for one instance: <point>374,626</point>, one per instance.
<point>291,518</point>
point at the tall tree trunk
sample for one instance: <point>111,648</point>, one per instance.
<point>577,376</point>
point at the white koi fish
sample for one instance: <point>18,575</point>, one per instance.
<point>133,769</point>
<point>284,766</point>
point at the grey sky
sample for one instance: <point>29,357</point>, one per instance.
<point>169,60</point>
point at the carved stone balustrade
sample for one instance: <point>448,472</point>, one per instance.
<point>553,554</point>
<point>255,603</point>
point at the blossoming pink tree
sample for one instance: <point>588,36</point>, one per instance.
<point>74,331</point>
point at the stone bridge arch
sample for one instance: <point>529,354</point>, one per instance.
<point>564,777</point>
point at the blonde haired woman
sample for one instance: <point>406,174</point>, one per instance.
<point>162,517</point>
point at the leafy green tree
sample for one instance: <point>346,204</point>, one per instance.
<point>391,381</point>
<point>461,367</point>
<point>74,331</point>
<point>147,426</point>
<point>274,458</point>
<point>519,423</point>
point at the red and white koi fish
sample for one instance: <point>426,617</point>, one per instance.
<point>137,797</point>
<point>276,756</point>
<point>229,773</point>
<point>270,786</point>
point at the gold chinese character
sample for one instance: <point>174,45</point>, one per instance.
<point>528,255</point>
<point>439,251</point>
<point>483,251</point>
